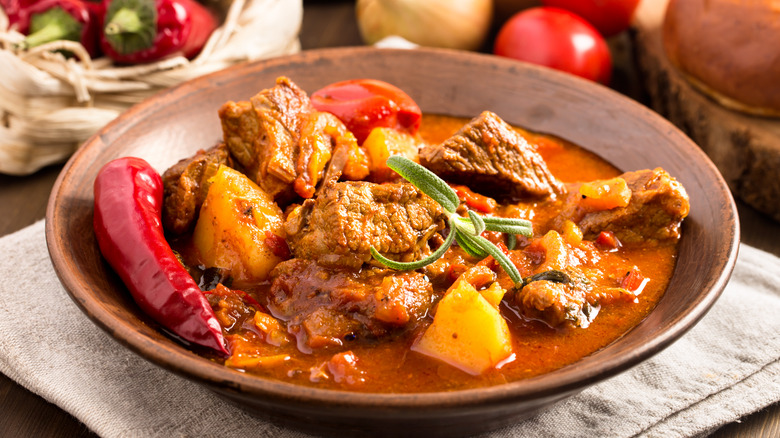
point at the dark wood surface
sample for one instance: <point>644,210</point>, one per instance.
<point>326,24</point>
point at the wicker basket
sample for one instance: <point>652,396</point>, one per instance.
<point>51,104</point>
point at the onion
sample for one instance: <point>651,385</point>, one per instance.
<point>453,24</point>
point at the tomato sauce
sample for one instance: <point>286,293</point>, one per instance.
<point>387,364</point>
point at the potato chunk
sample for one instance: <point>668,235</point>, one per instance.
<point>381,143</point>
<point>468,332</point>
<point>239,228</point>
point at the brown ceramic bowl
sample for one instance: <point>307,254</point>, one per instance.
<point>175,123</point>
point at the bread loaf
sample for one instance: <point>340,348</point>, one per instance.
<point>728,49</point>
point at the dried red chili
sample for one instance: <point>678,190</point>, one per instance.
<point>128,202</point>
<point>139,31</point>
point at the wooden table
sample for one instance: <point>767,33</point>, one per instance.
<point>325,24</point>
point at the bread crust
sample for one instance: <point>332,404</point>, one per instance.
<point>728,49</point>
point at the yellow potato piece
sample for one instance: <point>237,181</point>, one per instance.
<point>381,143</point>
<point>571,233</point>
<point>493,294</point>
<point>236,222</point>
<point>467,332</point>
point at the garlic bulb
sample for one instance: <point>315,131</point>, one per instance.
<point>453,24</point>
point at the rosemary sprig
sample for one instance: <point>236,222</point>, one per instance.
<point>467,231</point>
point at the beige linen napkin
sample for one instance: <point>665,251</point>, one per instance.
<point>724,368</point>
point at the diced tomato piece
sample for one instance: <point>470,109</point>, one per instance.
<point>226,292</point>
<point>608,240</point>
<point>344,368</point>
<point>475,201</point>
<point>634,281</point>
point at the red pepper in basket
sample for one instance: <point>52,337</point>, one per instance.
<point>52,20</point>
<point>128,202</point>
<point>139,31</point>
<point>16,11</point>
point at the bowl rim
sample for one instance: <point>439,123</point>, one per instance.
<point>181,361</point>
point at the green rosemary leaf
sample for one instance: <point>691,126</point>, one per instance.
<point>426,181</point>
<point>506,220</point>
<point>508,225</point>
<point>497,254</point>
<point>509,229</point>
<point>476,220</point>
<point>469,247</point>
<point>405,266</point>
<point>511,241</point>
<point>465,225</point>
<point>466,231</point>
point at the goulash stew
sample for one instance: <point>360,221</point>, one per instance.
<point>345,240</point>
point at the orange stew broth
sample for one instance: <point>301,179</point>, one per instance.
<point>388,365</point>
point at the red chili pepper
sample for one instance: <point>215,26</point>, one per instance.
<point>52,20</point>
<point>16,11</point>
<point>365,104</point>
<point>139,31</point>
<point>128,202</point>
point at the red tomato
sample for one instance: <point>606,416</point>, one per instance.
<point>610,17</point>
<point>365,104</point>
<point>558,39</point>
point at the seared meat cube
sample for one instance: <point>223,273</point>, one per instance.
<point>562,299</point>
<point>346,219</point>
<point>263,134</point>
<point>567,284</point>
<point>490,157</point>
<point>286,145</point>
<point>657,206</point>
<point>558,291</point>
<point>185,185</point>
<point>329,306</point>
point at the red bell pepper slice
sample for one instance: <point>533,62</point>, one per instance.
<point>365,104</point>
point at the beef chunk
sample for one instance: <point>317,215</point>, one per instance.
<point>346,219</point>
<point>263,133</point>
<point>185,185</point>
<point>284,144</point>
<point>327,307</point>
<point>490,157</point>
<point>657,207</point>
<point>558,299</point>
